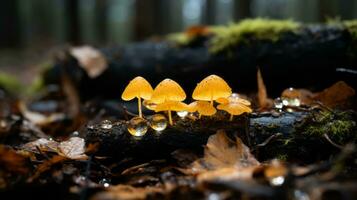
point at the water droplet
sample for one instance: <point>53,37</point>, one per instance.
<point>80,180</point>
<point>291,93</point>
<point>291,97</point>
<point>3,124</point>
<point>137,126</point>
<point>106,124</point>
<point>300,195</point>
<point>104,182</point>
<point>75,134</point>
<point>294,102</point>
<point>277,181</point>
<point>158,122</point>
<point>182,114</point>
<point>234,96</point>
<point>278,103</point>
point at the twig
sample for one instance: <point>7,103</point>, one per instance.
<point>324,106</point>
<point>332,142</point>
<point>269,139</point>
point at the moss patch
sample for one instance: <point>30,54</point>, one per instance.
<point>351,26</point>
<point>339,126</point>
<point>226,37</point>
<point>10,83</point>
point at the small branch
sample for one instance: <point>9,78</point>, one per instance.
<point>267,141</point>
<point>332,142</point>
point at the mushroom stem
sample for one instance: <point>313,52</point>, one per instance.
<point>211,102</point>
<point>231,118</point>
<point>199,116</point>
<point>170,118</point>
<point>139,107</point>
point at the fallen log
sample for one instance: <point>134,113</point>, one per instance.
<point>295,59</point>
<point>268,135</point>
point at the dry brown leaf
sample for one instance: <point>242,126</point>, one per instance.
<point>90,59</point>
<point>224,159</point>
<point>39,118</point>
<point>126,192</point>
<point>221,152</point>
<point>12,161</point>
<point>74,148</point>
<point>43,144</point>
<point>335,95</point>
<point>262,91</point>
<point>45,166</point>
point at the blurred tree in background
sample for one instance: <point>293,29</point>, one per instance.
<point>44,23</point>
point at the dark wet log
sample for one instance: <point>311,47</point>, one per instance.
<point>116,141</point>
<point>294,60</point>
<point>268,135</point>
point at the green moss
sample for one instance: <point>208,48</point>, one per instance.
<point>10,83</point>
<point>351,26</point>
<point>180,39</point>
<point>226,37</point>
<point>282,157</point>
<point>38,83</point>
<point>339,126</point>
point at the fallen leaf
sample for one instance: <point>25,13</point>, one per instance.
<point>224,159</point>
<point>221,152</point>
<point>126,192</point>
<point>39,118</point>
<point>12,161</point>
<point>45,166</point>
<point>43,144</point>
<point>90,59</point>
<point>227,174</point>
<point>74,148</point>
<point>335,95</point>
<point>194,31</point>
<point>262,92</point>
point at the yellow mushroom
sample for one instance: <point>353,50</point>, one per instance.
<point>235,108</point>
<point>211,88</point>
<point>168,95</point>
<point>137,88</point>
<point>202,107</point>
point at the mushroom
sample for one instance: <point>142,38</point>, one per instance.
<point>137,88</point>
<point>168,96</point>
<point>234,105</point>
<point>171,106</point>
<point>211,88</point>
<point>202,107</point>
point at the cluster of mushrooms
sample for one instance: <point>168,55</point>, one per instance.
<point>168,96</point>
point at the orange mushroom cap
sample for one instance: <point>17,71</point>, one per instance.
<point>202,107</point>
<point>171,105</point>
<point>235,108</point>
<point>211,88</point>
<point>167,90</point>
<point>138,87</point>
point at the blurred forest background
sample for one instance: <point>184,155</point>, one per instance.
<point>29,28</point>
